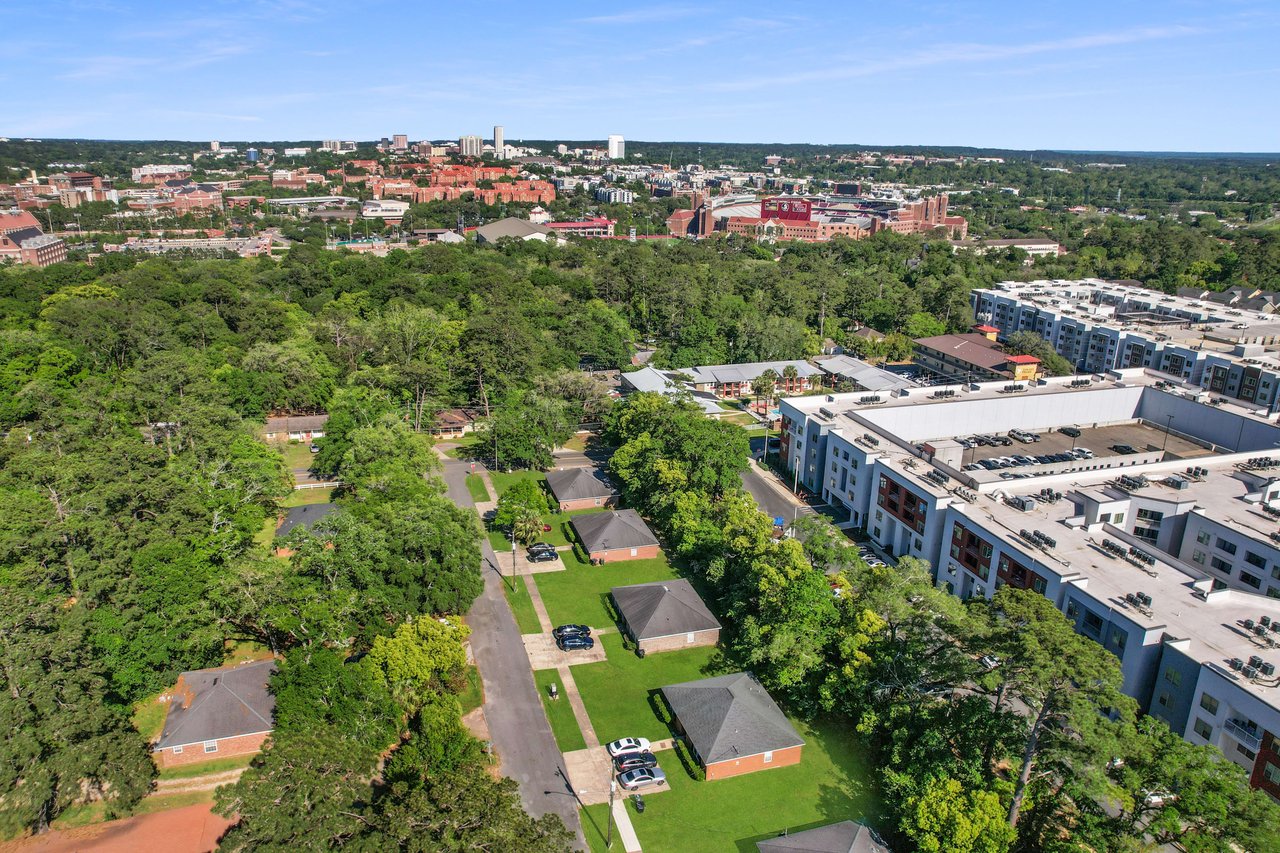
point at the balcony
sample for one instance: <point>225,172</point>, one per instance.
<point>1237,730</point>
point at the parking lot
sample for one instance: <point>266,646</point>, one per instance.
<point>1100,440</point>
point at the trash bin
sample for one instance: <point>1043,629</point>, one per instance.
<point>553,691</point>
<point>638,802</point>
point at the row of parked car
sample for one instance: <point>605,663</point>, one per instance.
<point>571,638</point>
<point>1021,459</point>
<point>870,557</point>
<point>635,764</point>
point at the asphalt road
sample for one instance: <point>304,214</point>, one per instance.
<point>519,729</point>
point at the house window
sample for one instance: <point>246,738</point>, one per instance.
<point>1203,729</point>
<point>211,746</point>
<point>177,750</point>
<point>1224,545</point>
<point>634,552</point>
<point>768,758</point>
<point>1209,703</point>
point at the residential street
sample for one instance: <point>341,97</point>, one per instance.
<point>518,726</point>
<point>773,499</point>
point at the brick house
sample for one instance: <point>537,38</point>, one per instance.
<point>301,518</point>
<point>581,488</point>
<point>453,423</point>
<point>216,713</point>
<point>665,615</point>
<point>732,725</point>
<point>295,428</point>
<point>612,536</point>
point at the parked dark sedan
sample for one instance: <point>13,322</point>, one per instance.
<point>634,761</point>
<point>542,555</point>
<point>577,642</point>
<point>571,631</point>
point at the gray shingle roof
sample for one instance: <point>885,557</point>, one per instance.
<point>730,716</point>
<point>847,836</point>
<point>303,517</point>
<point>509,227</point>
<point>720,373</point>
<point>210,704</point>
<point>866,375</point>
<point>571,484</point>
<point>605,531</point>
<point>662,609</point>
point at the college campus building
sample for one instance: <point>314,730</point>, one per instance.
<point>1224,342</point>
<point>1161,542</point>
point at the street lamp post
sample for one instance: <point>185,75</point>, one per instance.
<point>513,555</point>
<point>1167,424</point>
<point>613,787</point>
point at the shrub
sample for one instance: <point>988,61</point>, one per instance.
<point>691,765</point>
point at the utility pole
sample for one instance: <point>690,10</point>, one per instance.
<point>613,787</point>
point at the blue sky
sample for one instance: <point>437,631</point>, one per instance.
<point>1155,75</point>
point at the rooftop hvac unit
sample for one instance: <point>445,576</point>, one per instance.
<point>1255,660</point>
<point>1236,664</point>
<point>827,413</point>
<point>1250,672</point>
<point>1178,483</point>
<point>1268,669</point>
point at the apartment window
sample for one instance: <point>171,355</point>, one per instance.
<point>1255,560</point>
<point>833,467</point>
<point>1271,772</point>
<point>1117,640</point>
<point>1163,699</point>
<point>1224,545</point>
<point>1251,580</point>
<point>1172,676</point>
<point>1092,622</point>
<point>1197,556</point>
<point>1203,537</point>
<point>1203,729</point>
<point>1105,518</point>
<point>1119,519</point>
<point>1073,609</point>
<point>1209,703</point>
<point>1221,565</point>
<point>1149,534</point>
<point>211,746</point>
<point>1151,515</point>
<point>1273,591</point>
<point>1039,585</point>
<point>955,550</point>
<point>1246,751</point>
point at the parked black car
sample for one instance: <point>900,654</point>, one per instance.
<point>577,642</point>
<point>542,555</point>
<point>634,761</point>
<point>1126,449</point>
<point>571,631</point>
<point>1070,432</point>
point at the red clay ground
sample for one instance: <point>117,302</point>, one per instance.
<point>190,829</point>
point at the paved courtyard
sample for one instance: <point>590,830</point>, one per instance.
<point>543,654</point>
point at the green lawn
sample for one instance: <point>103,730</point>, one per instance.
<point>206,768</point>
<point>476,486</point>
<point>579,593</point>
<point>148,717</point>
<point>578,442</point>
<point>521,605</point>
<point>559,712</point>
<point>618,691</point>
<point>559,534</point>
<point>502,481</point>
<point>297,454</point>
<point>471,696</point>
<point>307,497</point>
<point>741,420</point>
<point>830,784</point>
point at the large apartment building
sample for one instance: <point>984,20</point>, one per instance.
<point>1152,522</point>
<point>1225,343</point>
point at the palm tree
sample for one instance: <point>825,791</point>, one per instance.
<point>527,525</point>
<point>790,374</point>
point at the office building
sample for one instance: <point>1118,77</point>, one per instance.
<point>400,142</point>
<point>499,143</point>
<point>1147,515</point>
<point>470,146</point>
<point>617,147</point>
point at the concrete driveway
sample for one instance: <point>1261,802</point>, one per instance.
<point>543,654</point>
